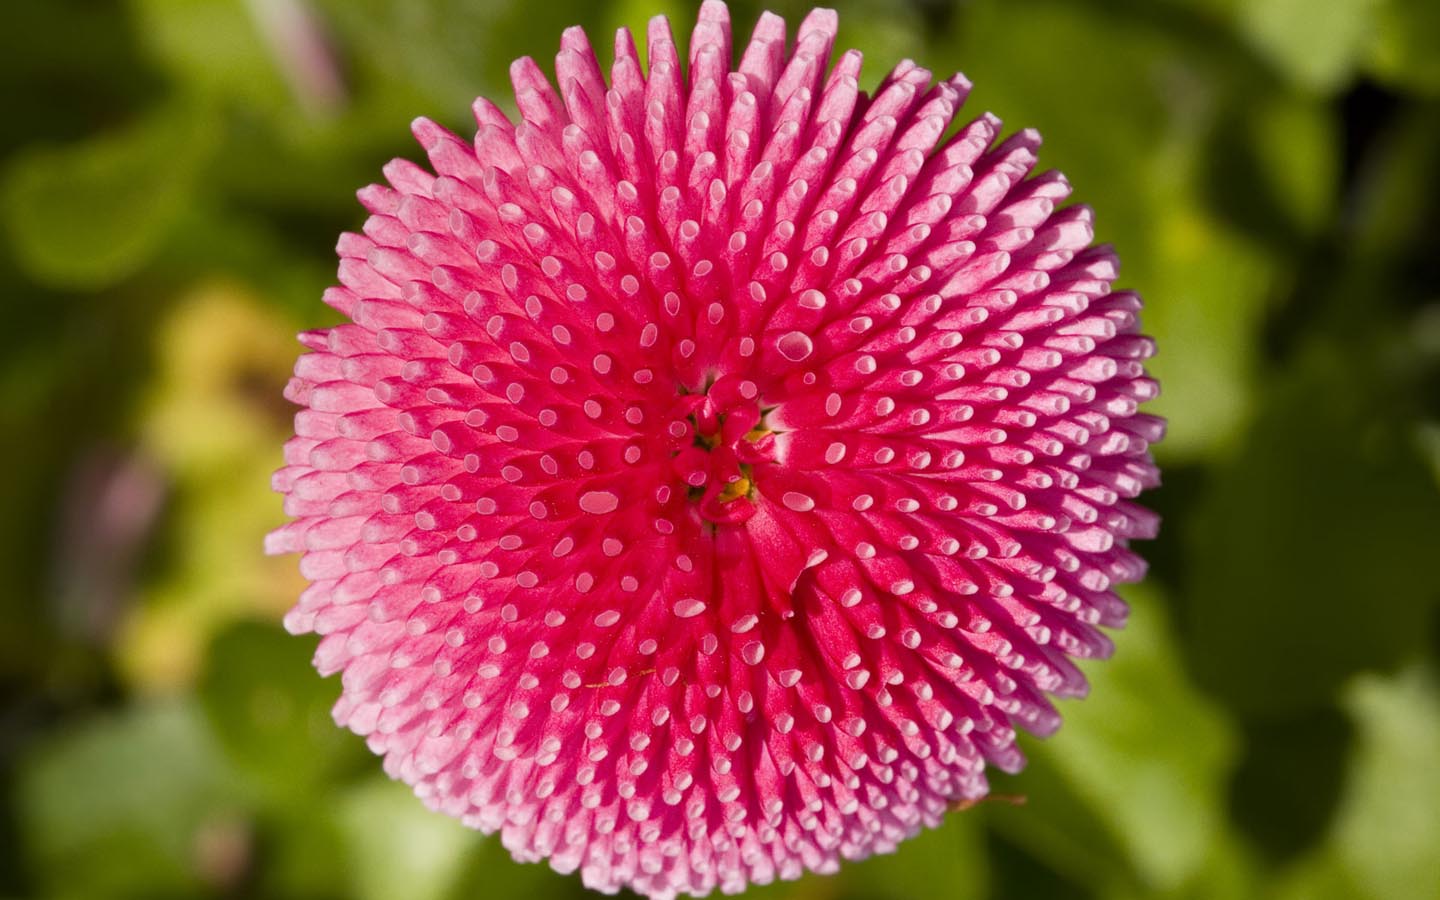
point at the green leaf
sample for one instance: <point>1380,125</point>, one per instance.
<point>1316,45</point>
<point>1428,435</point>
<point>490,871</point>
<point>127,804</point>
<point>1402,49</point>
<point>1146,754</point>
<point>1387,831</point>
<point>1127,118</point>
<point>395,847</point>
<point>1311,557</point>
<point>213,46</point>
<point>1287,787</point>
<point>212,417</point>
<point>636,15</point>
<point>1322,877</point>
<point>1275,167</point>
<point>1394,202</point>
<point>88,215</point>
<point>68,65</point>
<point>1205,288</point>
<point>450,51</point>
<point>1057,829</point>
<point>272,712</point>
<point>951,857</point>
<point>1382,843</point>
<point>304,851</point>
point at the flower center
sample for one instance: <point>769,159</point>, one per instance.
<point>728,439</point>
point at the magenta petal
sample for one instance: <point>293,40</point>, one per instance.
<point>718,468</point>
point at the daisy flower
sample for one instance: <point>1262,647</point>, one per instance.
<point>718,464</point>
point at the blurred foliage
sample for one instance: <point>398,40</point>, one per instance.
<point>64,238</point>
<point>211,417</point>
<point>173,175</point>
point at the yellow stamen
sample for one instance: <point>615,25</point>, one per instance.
<point>735,490</point>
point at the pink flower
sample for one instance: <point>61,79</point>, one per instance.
<point>719,465</point>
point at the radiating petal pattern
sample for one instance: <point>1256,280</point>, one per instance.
<point>719,463</point>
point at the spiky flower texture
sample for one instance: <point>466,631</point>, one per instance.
<point>719,465</point>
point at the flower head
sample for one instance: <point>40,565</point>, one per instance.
<point>719,463</point>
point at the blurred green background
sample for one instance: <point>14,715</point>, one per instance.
<point>173,176</point>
